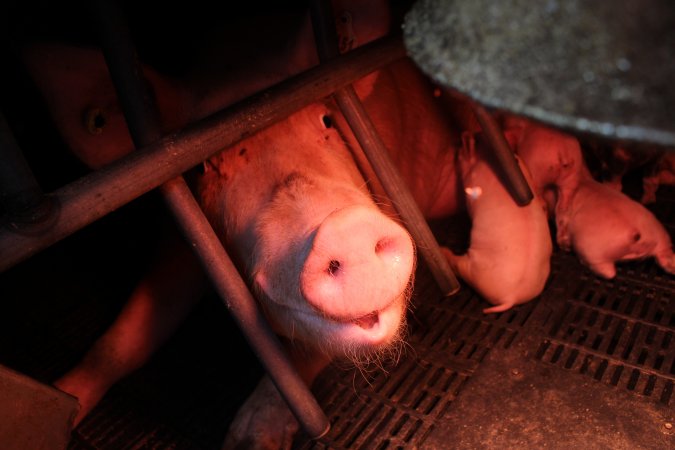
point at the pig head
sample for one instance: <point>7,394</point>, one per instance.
<point>330,268</point>
<point>508,261</point>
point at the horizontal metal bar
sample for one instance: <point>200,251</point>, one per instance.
<point>95,195</point>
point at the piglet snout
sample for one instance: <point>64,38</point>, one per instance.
<point>360,262</point>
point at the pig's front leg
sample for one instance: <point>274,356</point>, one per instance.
<point>154,310</point>
<point>264,421</point>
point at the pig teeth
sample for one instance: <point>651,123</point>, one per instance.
<point>368,321</point>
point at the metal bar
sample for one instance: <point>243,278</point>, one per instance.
<point>93,196</point>
<point>144,123</point>
<point>26,208</point>
<point>244,310</point>
<point>378,155</point>
<point>508,169</point>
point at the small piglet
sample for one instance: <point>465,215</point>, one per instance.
<point>601,224</point>
<point>508,261</point>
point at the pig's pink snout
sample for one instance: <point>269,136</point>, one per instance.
<point>359,264</point>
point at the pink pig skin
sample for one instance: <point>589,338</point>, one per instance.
<point>508,261</point>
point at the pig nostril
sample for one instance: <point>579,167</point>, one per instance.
<point>382,245</point>
<point>333,267</point>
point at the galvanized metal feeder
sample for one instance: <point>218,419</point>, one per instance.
<point>589,66</point>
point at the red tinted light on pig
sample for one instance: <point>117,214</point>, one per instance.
<point>508,261</point>
<point>331,269</point>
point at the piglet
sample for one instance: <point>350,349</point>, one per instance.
<point>604,226</point>
<point>597,221</point>
<point>508,261</point>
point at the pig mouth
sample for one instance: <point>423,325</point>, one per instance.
<point>371,330</point>
<point>368,321</point>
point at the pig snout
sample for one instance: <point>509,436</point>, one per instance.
<point>358,268</point>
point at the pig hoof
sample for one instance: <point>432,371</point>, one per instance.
<point>263,422</point>
<point>87,390</point>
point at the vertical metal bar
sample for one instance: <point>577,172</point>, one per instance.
<point>507,166</point>
<point>25,206</point>
<point>375,150</point>
<point>144,123</point>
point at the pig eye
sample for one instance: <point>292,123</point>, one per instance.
<point>94,120</point>
<point>327,121</point>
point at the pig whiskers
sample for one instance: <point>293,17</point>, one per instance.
<point>378,360</point>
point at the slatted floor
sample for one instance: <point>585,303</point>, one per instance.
<point>602,351</point>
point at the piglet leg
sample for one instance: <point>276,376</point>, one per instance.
<point>664,252</point>
<point>154,310</point>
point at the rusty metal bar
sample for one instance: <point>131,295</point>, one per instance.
<point>378,156</point>
<point>143,119</point>
<point>507,167</point>
<point>93,196</point>
<point>27,209</point>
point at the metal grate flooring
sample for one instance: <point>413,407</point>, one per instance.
<point>590,364</point>
<point>617,333</point>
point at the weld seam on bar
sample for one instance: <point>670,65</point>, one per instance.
<point>508,168</point>
<point>142,116</point>
<point>95,195</point>
<point>378,155</point>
